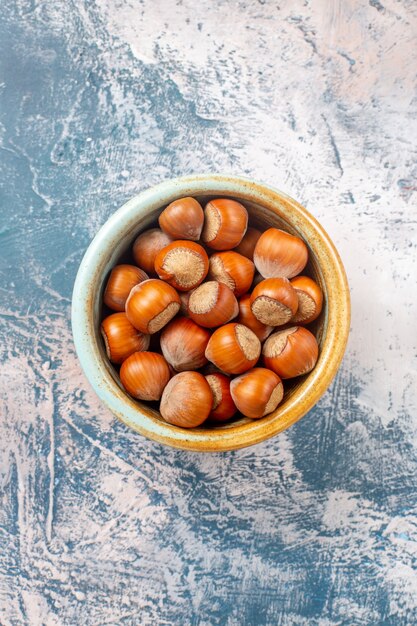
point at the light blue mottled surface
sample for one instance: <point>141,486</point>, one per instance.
<point>100,100</point>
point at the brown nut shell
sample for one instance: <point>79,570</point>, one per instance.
<point>186,400</point>
<point>233,348</point>
<point>146,247</point>
<point>212,304</point>
<point>223,406</point>
<point>248,243</point>
<point>291,352</point>
<point>257,392</point>
<point>144,375</point>
<point>182,264</point>
<point>274,301</point>
<point>183,344</point>
<point>183,219</point>
<point>279,255</point>
<point>232,269</point>
<point>247,318</point>
<point>120,282</point>
<point>310,299</point>
<point>225,223</point>
<point>121,339</point>
<point>151,305</point>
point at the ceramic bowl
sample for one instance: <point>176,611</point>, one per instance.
<point>267,207</point>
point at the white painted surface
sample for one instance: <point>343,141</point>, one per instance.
<point>97,525</point>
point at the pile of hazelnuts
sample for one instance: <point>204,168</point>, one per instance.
<point>210,311</point>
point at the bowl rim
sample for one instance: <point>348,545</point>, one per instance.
<point>337,317</point>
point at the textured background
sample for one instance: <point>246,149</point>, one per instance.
<point>99,100</point>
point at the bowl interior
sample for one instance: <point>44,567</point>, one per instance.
<point>260,217</point>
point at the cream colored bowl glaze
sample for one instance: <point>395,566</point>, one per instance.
<point>267,207</point>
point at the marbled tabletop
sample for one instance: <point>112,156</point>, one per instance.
<point>101,99</point>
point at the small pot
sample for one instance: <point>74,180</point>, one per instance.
<point>267,207</point>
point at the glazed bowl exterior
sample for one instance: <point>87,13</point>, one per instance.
<point>267,207</point>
